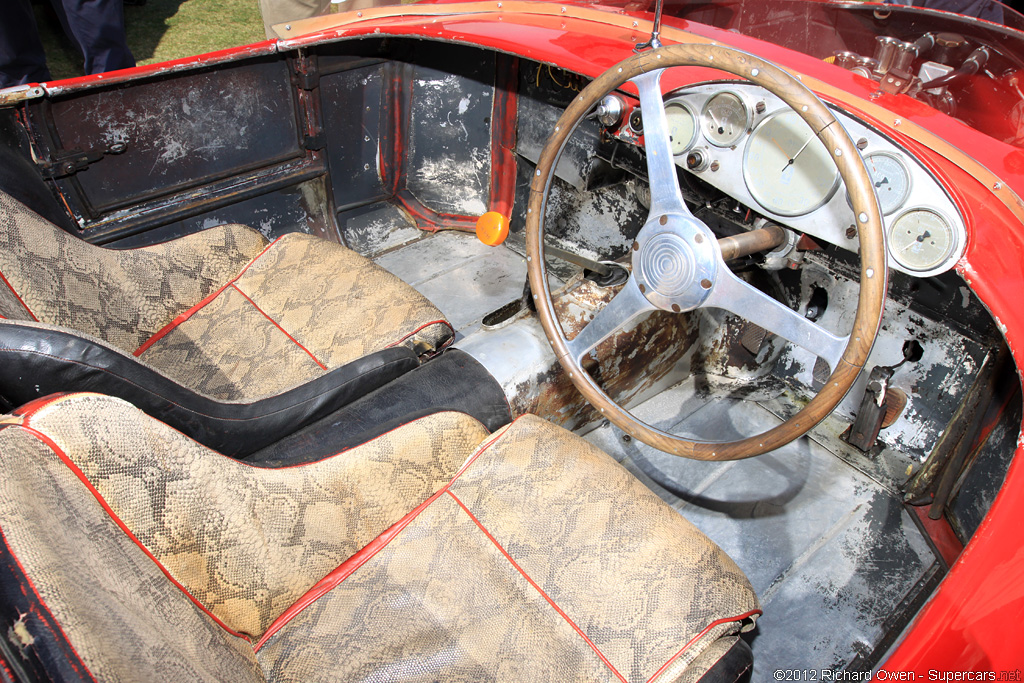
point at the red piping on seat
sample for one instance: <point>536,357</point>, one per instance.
<point>166,329</point>
<point>713,624</point>
<point>42,602</point>
<point>20,300</point>
<point>540,590</point>
<point>39,403</point>
<point>50,443</point>
<point>274,323</point>
<point>349,566</point>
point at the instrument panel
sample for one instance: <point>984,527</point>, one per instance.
<point>753,147</point>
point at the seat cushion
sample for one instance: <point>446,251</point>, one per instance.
<point>122,297</point>
<point>220,311</point>
<point>304,306</point>
<point>543,560</point>
<point>246,542</point>
<point>537,558</point>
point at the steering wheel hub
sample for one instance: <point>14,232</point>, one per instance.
<point>674,263</point>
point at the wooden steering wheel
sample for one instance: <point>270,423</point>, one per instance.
<point>677,264</point>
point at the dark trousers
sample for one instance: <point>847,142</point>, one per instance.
<point>95,26</point>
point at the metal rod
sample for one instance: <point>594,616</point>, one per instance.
<point>581,261</point>
<point>747,243</point>
<point>655,42</point>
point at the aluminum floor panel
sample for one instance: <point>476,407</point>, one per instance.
<point>833,555</point>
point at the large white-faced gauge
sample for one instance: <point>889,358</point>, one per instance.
<point>682,127</point>
<point>725,119</point>
<point>891,180</point>
<point>921,240</point>
<point>787,168</point>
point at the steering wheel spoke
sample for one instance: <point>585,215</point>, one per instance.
<point>661,168</point>
<point>671,256</point>
<point>736,296</point>
<point>627,305</point>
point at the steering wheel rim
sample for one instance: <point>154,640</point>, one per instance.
<point>670,226</point>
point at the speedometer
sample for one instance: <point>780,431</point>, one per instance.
<point>786,167</point>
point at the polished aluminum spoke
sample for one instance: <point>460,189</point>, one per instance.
<point>627,305</point>
<point>661,167</point>
<point>736,296</point>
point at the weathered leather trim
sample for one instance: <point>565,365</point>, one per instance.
<point>37,361</point>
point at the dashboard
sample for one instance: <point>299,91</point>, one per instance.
<point>750,145</point>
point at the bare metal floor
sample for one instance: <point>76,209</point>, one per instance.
<point>836,560</point>
<point>833,556</point>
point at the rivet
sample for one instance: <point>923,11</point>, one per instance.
<point>643,290</point>
<point>663,220</point>
<point>359,14</point>
<point>675,307</point>
<point>997,186</point>
<point>897,122</point>
<point>705,283</point>
<point>620,69</point>
<point>366,138</point>
<point>499,5</point>
<point>698,238</point>
<point>754,72</point>
<point>863,217</point>
<point>287,27</point>
<point>538,172</point>
<point>839,152</point>
<point>870,272</point>
<point>563,10</point>
<point>635,24</point>
<point>366,167</point>
<point>636,246</point>
<point>529,258</point>
<point>535,297</point>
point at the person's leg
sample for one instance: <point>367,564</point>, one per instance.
<point>281,11</point>
<point>21,53</point>
<point>98,28</point>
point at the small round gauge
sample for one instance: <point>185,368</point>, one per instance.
<point>891,180</point>
<point>921,240</point>
<point>787,168</point>
<point>682,127</point>
<point>725,119</point>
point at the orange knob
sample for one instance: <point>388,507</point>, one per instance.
<point>492,228</point>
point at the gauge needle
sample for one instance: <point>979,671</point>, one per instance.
<point>714,120</point>
<point>918,240</point>
<point>798,152</point>
<point>881,182</point>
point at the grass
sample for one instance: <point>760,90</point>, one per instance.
<point>161,30</point>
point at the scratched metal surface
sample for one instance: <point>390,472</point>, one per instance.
<point>835,559</point>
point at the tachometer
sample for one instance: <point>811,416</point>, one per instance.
<point>682,126</point>
<point>725,119</point>
<point>787,168</point>
<point>921,240</point>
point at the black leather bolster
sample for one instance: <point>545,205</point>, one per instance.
<point>452,381</point>
<point>35,362</point>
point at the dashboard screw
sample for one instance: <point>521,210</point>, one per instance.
<point>715,166</point>
<point>851,232</point>
<point>997,186</point>
<point>862,144</point>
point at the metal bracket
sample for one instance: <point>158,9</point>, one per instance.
<point>69,162</point>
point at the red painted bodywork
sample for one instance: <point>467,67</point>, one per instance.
<point>972,621</point>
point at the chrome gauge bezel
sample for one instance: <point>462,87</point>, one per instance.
<point>954,240</point>
<point>907,179</point>
<point>696,124</point>
<point>753,183</point>
<point>747,118</point>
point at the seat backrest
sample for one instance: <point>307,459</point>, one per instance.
<point>245,542</point>
<point>120,296</point>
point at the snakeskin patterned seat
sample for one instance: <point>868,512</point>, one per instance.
<point>200,329</point>
<point>434,552</point>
